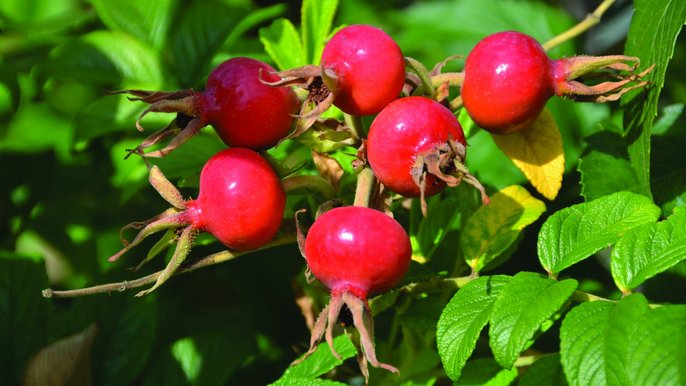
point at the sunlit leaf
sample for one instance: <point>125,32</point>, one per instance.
<point>648,250</point>
<point>322,361</point>
<point>282,43</point>
<point>526,306</point>
<point>317,17</point>
<point>462,320</point>
<point>577,232</point>
<point>494,227</point>
<point>306,382</point>
<point>537,151</point>
<point>623,343</point>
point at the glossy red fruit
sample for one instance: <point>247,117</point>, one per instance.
<point>241,203</point>
<point>356,252</point>
<point>364,68</point>
<point>406,129</point>
<point>508,79</point>
<point>244,111</point>
<point>359,250</point>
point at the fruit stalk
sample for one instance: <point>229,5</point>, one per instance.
<point>216,258</point>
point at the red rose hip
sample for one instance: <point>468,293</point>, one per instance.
<point>243,110</point>
<point>364,68</point>
<point>416,147</point>
<point>241,203</point>
<point>508,79</point>
<point>355,251</point>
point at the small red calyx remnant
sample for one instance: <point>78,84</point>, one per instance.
<point>508,78</point>
<point>362,70</point>
<point>243,111</point>
<point>356,252</point>
<point>241,203</point>
<point>416,147</point>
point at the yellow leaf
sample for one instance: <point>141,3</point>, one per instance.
<point>537,151</point>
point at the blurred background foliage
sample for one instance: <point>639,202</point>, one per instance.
<point>66,189</point>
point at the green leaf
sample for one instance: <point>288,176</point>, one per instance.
<point>463,319</point>
<point>306,382</point>
<point>493,228</point>
<point>250,21</point>
<point>668,177</point>
<point>110,57</point>
<point>204,359</point>
<point>654,28</point>
<point>23,313</point>
<point>422,20</point>
<point>39,13</point>
<point>669,116</point>
<point>198,36</point>
<point>282,43</point>
<point>546,371</point>
<point>126,325</point>
<point>577,232</point>
<point>486,372</point>
<point>322,361</point>
<point>656,351</point>
<point>605,166</point>
<point>317,17</point>
<point>148,21</point>
<point>581,346</point>
<point>648,250</point>
<point>624,343</point>
<point>525,307</point>
<point>107,114</point>
<point>27,132</point>
<point>446,213</point>
<point>191,157</point>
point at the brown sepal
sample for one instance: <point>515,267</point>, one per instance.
<point>444,161</point>
<point>186,124</point>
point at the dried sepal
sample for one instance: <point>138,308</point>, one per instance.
<point>598,78</point>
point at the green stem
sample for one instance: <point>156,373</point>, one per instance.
<point>455,79</point>
<point>590,20</point>
<point>216,258</point>
<point>310,183</point>
<point>354,122</point>
<point>366,182</point>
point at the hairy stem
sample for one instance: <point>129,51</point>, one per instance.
<point>588,22</point>
<point>366,182</point>
<point>207,261</point>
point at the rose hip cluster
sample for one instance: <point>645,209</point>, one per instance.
<point>415,147</point>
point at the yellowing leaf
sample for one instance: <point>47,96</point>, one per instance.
<point>537,151</point>
<point>494,228</point>
<point>63,363</point>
